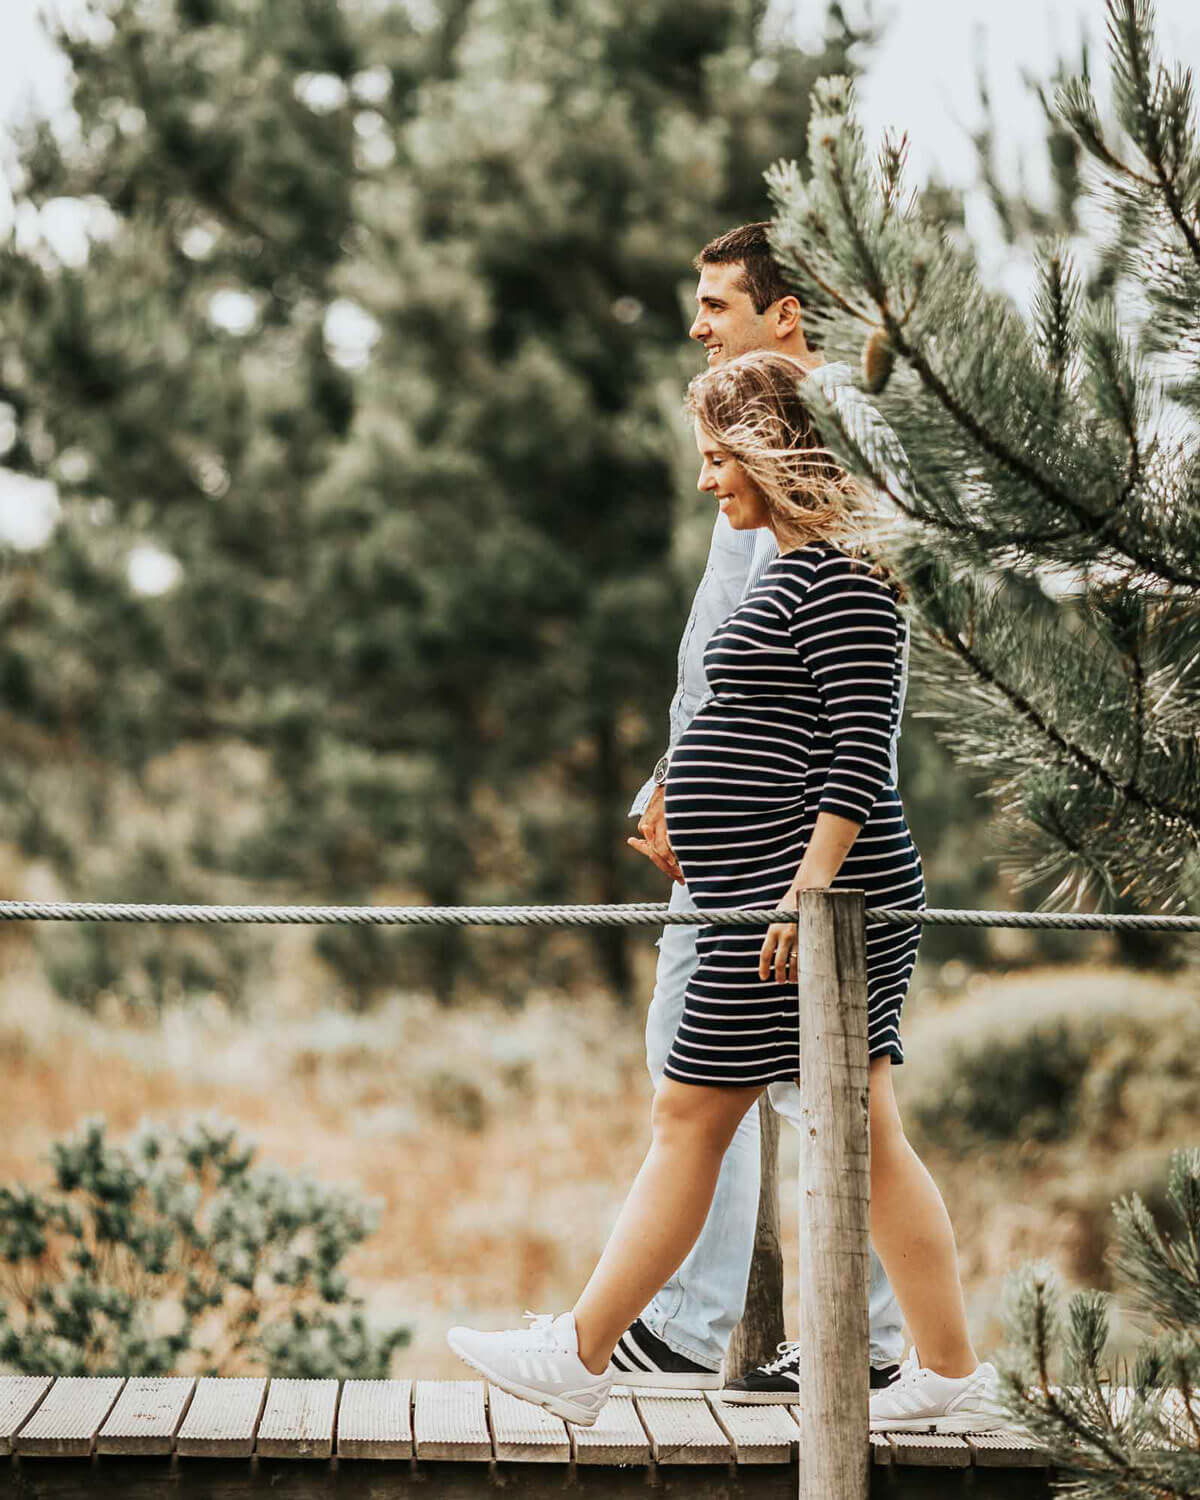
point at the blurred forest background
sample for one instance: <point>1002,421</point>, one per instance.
<point>378,522</point>
<point>371,532</point>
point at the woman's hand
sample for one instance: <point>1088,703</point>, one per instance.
<point>777,959</point>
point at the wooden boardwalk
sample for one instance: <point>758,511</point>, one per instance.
<point>152,1435</point>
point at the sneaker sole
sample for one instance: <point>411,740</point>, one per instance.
<point>942,1426</point>
<point>645,1381</point>
<point>761,1398</point>
<point>569,1411</point>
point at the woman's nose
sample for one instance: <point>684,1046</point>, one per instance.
<point>706,480</point>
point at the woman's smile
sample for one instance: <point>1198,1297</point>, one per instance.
<point>721,476</point>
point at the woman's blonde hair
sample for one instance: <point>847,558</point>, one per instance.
<point>751,407</point>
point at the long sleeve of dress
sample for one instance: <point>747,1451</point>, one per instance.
<point>847,629</point>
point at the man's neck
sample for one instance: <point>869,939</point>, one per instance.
<point>797,349</point>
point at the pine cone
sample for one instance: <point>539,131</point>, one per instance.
<point>878,357</point>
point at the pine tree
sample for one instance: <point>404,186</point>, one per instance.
<point>1046,520</point>
<point>1047,499</point>
<point>1137,1438</point>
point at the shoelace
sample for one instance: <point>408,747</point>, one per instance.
<point>903,1394</point>
<point>908,1365</point>
<point>541,1323</point>
<point>787,1352</point>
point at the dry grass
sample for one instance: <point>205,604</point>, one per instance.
<point>501,1142</point>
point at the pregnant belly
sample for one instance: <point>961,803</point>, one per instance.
<point>738,824</point>
<point>731,772</point>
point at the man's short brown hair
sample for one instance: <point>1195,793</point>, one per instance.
<point>749,245</point>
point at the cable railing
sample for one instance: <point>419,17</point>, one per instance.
<point>631,914</point>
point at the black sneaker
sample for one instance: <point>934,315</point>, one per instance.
<point>643,1361</point>
<point>779,1381</point>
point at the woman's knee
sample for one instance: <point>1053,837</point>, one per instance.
<point>706,1116</point>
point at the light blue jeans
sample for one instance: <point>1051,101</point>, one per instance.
<point>696,1311</point>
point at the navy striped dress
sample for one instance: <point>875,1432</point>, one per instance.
<point>805,676</point>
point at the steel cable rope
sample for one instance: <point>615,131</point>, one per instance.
<point>636,914</point>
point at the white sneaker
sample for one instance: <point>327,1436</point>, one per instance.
<point>540,1364</point>
<point>921,1400</point>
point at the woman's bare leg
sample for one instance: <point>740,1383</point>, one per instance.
<point>664,1212</point>
<point>914,1239</point>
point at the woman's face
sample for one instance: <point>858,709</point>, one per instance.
<point>736,494</point>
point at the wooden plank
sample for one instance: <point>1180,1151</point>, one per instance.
<point>223,1417</point>
<point>449,1421</point>
<point>880,1450</point>
<point>617,1437</point>
<point>1007,1449</point>
<point>682,1429</point>
<point>375,1419</point>
<point>19,1396</point>
<point>932,1450</point>
<point>524,1433</point>
<point>147,1415</point>
<point>69,1418</point>
<point>764,1434</point>
<point>298,1420</point>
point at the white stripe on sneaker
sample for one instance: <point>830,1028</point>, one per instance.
<point>637,1360</point>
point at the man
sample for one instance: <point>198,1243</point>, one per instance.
<point>743,303</point>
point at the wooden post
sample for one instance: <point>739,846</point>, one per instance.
<point>757,1337</point>
<point>835,1184</point>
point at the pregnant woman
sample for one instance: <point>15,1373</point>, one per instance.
<point>784,781</point>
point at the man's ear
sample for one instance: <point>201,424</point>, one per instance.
<point>788,317</point>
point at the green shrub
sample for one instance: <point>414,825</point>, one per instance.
<point>174,1253</point>
<point>1022,1087</point>
<point>1108,1060</point>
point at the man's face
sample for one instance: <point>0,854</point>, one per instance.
<point>726,323</point>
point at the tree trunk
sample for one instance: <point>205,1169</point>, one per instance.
<point>756,1338</point>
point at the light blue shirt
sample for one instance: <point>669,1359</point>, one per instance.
<point>736,561</point>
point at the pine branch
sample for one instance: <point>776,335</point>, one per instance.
<point>893,156</point>
<point>1130,25</point>
<point>1065,1417</point>
<point>1077,108</point>
<point>1104,342</point>
<point>867,457</point>
<point>990,443</point>
<point>1190,1398</point>
<point>951,640</point>
<point>1054,313</point>
<point>1092,1441</point>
